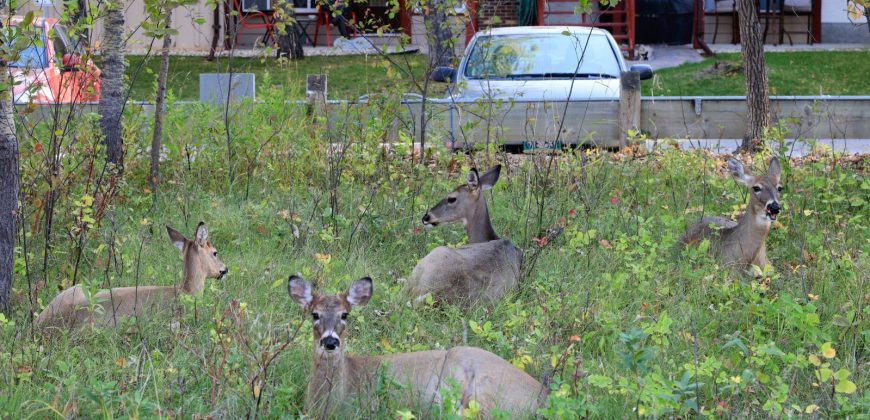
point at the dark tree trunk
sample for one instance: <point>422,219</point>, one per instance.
<point>290,37</point>
<point>440,37</point>
<point>8,191</point>
<point>757,99</point>
<point>112,79</point>
<point>160,107</point>
<point>215,31</point>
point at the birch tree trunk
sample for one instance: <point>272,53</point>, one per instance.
<point>112,80</point>
<point>160,108</point>
<point>8,189</point>
<point>757,99</point>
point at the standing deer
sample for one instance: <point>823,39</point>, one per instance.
<point>742,243</point>
<point>338,381</point>
<point>482,270</point>
<point>71,308</point>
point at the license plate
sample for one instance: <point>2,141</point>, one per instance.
<point>542,146</point>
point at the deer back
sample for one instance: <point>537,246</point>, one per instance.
<point>481,272</point>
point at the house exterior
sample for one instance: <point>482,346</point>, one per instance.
<point>827,21</point>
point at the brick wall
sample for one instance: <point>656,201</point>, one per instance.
<point>506,10</point>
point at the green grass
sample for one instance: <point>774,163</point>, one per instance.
<point>348,76</point>
<point>623,320</point>
<point>790,73</point>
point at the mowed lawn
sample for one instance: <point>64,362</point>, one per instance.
<point>792,73</point>
<point>348,76</point>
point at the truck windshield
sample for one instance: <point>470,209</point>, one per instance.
<point>552,56</point>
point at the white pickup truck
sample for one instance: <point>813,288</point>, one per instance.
<point>538,87</point>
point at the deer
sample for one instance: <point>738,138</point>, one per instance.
<point>742,243</point>
<point>72,308</point>
<point>481,271</point>
<point>338,380</point>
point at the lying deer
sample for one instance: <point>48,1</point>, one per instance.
<point>71,308</point>
<point>338,380</point>
<point>742,243</point>
<point>482,270</point>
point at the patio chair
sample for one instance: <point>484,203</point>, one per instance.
<point>249,18</point>
<point>720,9</point>
<point>799,8</point>
<point>323,19</point>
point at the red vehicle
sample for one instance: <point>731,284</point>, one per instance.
<point>53,72</point>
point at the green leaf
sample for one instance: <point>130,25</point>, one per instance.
<point>599,381</point>
<point>846,387</point>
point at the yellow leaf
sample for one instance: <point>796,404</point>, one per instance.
<point>736,379</point>
<point>828,351</point>
<point>815,360</point>
<point>812,408</point>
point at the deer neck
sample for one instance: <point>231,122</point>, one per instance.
<point>194,279</point>
<point>478,226</point>
<point>752,229</point>
<point>328,384</point>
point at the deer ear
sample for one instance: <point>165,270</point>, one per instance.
<point>738,172</point>
<point>201,234</point>
<point>490,178</point>
<point>473,179</point>
<point>774,170</point>
<point>360,292</point>
<point>176,237</point>
<point>300,291</point>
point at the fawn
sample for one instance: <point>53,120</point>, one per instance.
<point>71,308</point>
<point>482,270</point>
<point>742,243</point>
<point>337,380</point>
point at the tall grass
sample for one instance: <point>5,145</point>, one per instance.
<point>610,311</point>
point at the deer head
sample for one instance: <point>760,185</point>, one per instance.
<point>763,190</point>
<point>200,258</point>
<point>329,313</point>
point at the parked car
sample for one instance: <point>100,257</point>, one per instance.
<point>53,72</point>
<point>531,67</point>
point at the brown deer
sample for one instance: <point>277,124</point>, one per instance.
<point>338,381</point>
<point>484,269</point>
<point>742,243</point>
<point>72,309</point>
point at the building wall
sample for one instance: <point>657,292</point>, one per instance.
<point>836,27</point>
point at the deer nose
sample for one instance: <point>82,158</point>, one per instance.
<point>426,218</point>
<point>773,208</point>
<point>330,343</point>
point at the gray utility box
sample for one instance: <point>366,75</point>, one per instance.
<point>216,88</point>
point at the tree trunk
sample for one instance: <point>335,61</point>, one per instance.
<point>757,99</point>
<point>8,190</point>
<point>160,107</point>
<point>215,32</point>
<point>440,37</point>
<point>290,36</point>
<point>112,80</point>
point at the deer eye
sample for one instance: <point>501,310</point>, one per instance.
<point>315,315</point>
<point>451,200</point>
<point>779,188</point>
<point>756,188</point>
<point>214,253</point>
<point>344,316</point>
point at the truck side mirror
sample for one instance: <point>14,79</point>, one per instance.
<point>443,74</point>
<point>646,72</point>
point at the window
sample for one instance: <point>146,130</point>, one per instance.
<point>305,5</point>
<point>543,56</point>
<point>32,56</point>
